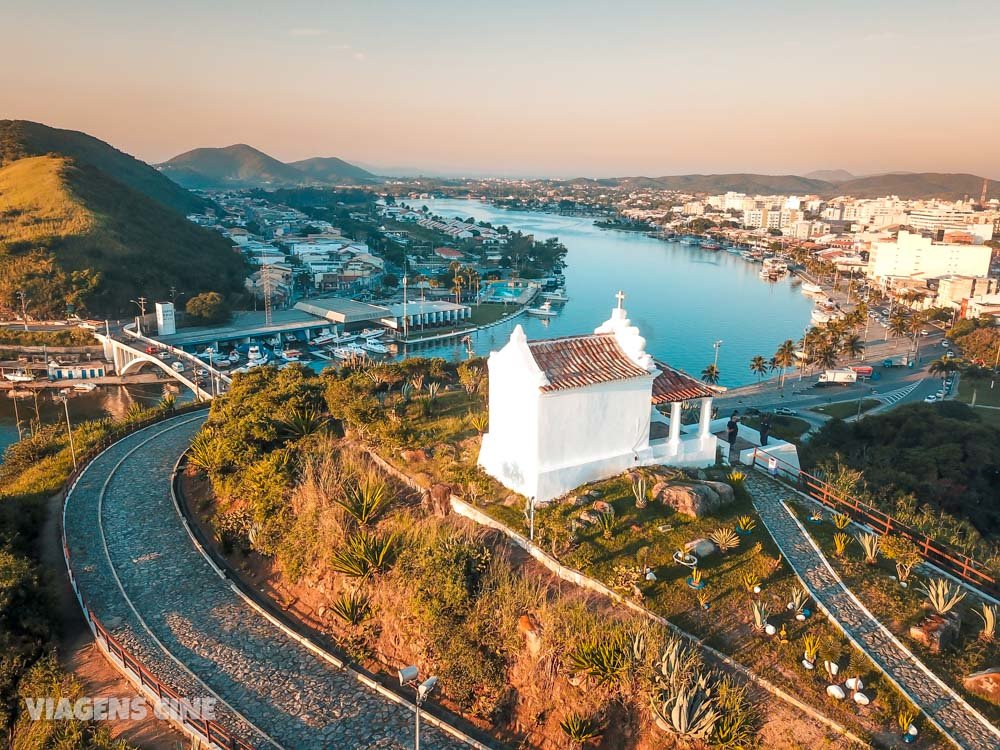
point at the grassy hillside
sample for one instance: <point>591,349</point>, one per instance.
<point>918,185</point>
<point>21,138</point>
<point>71,234</point>
<point>232,166</point>
<point>332,170</point>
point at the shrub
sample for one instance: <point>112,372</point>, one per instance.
<point>364,555</point>
<point>580,730</point>
<point>942,595</point>
<point>352,607</point>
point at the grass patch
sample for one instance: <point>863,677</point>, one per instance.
<point>789,429</point>
<point>985,396</point>
<point>845,409</point>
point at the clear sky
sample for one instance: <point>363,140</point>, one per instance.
<point>585,87</point>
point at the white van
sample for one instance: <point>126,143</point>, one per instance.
<point>178,366</point>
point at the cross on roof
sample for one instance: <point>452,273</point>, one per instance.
<point>620,297</point>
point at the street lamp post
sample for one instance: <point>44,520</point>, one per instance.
<point>141,303</point>
<point>69,427</point>
<point>24,307</point>
<point>717,345</point>
<point>408,678</point>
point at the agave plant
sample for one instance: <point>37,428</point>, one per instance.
<point>480,422</point>
<point>841,520</point>
<point>406,392</point>
<point>760,613</point>
<point>746,524</point>
<point>988,614</point>
<point>365,555</point>
<point>942,595</point>
<point>433,389</point>
<point>579,729</point>
<point>208,453</point>
<point>810,645</point>
<point>301,423</point>
<point>352,607</point>
<point>840,542</point>
<point>688,712</point>
<point>751,581</point>
<point>417,381</point>
<point>725,539</point>
<point>608,523</point>
<point>365,499</point>
<point>639,492</point>
<point>608,661</point>
<point>677,663</point>
<point>870,543</point>
<point>167,403</point>
<point>799,599</point>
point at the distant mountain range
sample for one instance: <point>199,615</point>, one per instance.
<point>903,184</point>
<point>83,224</point>
<point>242,166</point>
<point>830,175</point>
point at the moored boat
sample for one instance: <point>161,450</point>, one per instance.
<point>374,347</point>
<point>84,387</point>
<point>809,288</point>
<point>542,311</point>
<point>19,376</point>
<point>348,352</point>
<point>372,333</point>
<point>709,245</point>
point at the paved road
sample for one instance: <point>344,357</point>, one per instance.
<point>146,582</point>
<point>960,723</point>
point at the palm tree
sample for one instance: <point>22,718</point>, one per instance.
<point>758,366</point>
<point>826,356</point>
<point>710,374</point>
<point>899,324</point>
<point>784,357</point>
<point>944,366</point>
<point>852,346</point>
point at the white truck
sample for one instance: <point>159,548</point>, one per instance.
<point>837,377</point>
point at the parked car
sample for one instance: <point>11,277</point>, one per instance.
<point>177,366</point>
<point>924,332</point>
<point>785,411</point>
<point>930,399</point>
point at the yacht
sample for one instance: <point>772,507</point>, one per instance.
<point>374,347</point>
<point>345,338</point>
<point>543,311</point>
<point>324,338</point>
<point>809,288</point>
<point>234,356</point>
<point>291,355</point>
<point>709,245</point>
<point>84,387</point>
<point>19,376</point>
<point>348,352</point>
<point>256,356</point>
<point>557,296</point>
<point>372,333</point>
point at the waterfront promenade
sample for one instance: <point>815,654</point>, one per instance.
<point>145,581</point>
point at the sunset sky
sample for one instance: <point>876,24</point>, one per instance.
<point>529,88</point>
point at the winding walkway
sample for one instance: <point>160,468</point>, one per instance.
<point>145,581</point>
<point>956,719</point>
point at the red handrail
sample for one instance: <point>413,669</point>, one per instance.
<point>952,561</point>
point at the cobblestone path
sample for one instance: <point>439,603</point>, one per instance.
<point>965,727</point>
<point>144,580</point>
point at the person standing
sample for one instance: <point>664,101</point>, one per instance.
<point>765,428</point>
<point>732,429</point>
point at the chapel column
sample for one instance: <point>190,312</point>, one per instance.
<point>705,421</point>
<point>675,426</point>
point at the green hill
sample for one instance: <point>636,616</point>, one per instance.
<point>22,138</point>
<point>332,170</point>
<point>232,166</point>
<point>918,185</point>
<point>69,233</point>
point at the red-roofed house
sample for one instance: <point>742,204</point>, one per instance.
<point>448,253</point>
<point>572,410</point>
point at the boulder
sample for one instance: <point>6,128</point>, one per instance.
<point>936,631</point>
<point>590,517</point>
<point>696,499</point>
<point>986,684</point>
<point>415,456</point>
<point>528,626</point>
<point>700,548</point>
<point>836,691</point>
<point>602,507</point>
<point>438,499</point>
<point>513,501</point>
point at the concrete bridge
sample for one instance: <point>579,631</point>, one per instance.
<point>131,354</point>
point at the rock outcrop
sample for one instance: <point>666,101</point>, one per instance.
<point>694,499</point>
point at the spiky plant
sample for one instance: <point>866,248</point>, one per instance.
<point>480,422</point>
<point>696,577</point>
<point>840,542</point>
<point>608,661</point>
<point>799,599</point>
<point>870,543</point>
<point>905,718</point>
<point>746,523</point>
<point>417,381</point>
<point>353,607</point>
<point>750,580</point>
<point>608,523</point>
<point>725,539</point>
<point>365,555</point>
<point>579,729</point>
<point>988,614</point>
<point>208,453</point>
<point>690,711</point>
<point>301,423</point>
<point>737,477</point>
<point>760,613</point>
<point>703,598</point>
<point>167,404</point>
<point>841,520</point>
<point>406,392</point>
<point>639,487</point>
<point>433,389</point>
<point>810,645</point>
<point>942,595</point>
<point>365,499</point>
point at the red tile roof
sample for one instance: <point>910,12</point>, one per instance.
<point>579,361</point>
<point>674,385</point>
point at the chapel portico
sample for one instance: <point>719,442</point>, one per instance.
<point>572,410</point>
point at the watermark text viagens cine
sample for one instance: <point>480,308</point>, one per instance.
<point>116,709</point>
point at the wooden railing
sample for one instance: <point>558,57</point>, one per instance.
<point>948,559</point>
<point>180,710</point>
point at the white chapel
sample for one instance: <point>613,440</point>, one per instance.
<point>572,410</point>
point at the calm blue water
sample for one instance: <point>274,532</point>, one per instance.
<point>682,298</point>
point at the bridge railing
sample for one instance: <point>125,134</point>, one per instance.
<point>179,353</point>
<point>178,709</point>
<point>956,563</point>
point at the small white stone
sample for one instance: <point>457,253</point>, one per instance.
<point>861,699</point>
<point>756,589</point>
<point>831,667</point>
<point>808,664</point>
<point>836,691</point>
<point>770,629</point>
<point>912,730</point>
<point>800,617</point>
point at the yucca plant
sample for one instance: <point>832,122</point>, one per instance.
<point>579,729</point>
<point>841,520</point>
<point>364,555</point>
<point>942,595</point>
<point>751,580</point>
<point>988,614</point>
<point>608,523</point>
<point>480,422</point>
<point>639,492</point>
<point>799,599</point>
<point>810,645</point>
<point>725,539</point>
<point>760,613</point>
<point>696,578</point>
<point>352,607</point>
<point>840,542</point>
<point>301,423</point>
<point>365,499</point>
<point>905,719</point>
<point>167,404</point>
<point>746,523</point>
<point>208,453</point>
<point>870,543</point>
<point>737,477</point>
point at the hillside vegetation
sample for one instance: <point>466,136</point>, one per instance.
<point>70,234</point>
<point>20,139</point>
<point>241,165</point>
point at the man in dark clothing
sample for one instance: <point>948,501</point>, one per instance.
<point>765,428</point>
<point>732,429</point>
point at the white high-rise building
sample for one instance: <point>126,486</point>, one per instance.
<point>915,256</point>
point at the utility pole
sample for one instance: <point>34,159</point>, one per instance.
<point>69,427</point>
<point>717,345</point>
<point>24,307</point>
<point>141,303</point>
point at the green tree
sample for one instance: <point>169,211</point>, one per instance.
<point>759,367</point>
<point>784,357</point>
<point>710,374</point>
<point>208,307</point>
<point>852,346</point>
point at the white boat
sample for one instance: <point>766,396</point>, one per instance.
<point>543,311</point>
<point>326,338</point>
<point>555,296</point>
<point>344,339</point>
<point>84,387</point>
<point>348,352</point>
<point>234,356</point>
<point>809,288</point>
<point>374,347</point>
<point>372,333</point>
<point>256,356</point>
<point>291,355</point>
<point>19,376</point>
